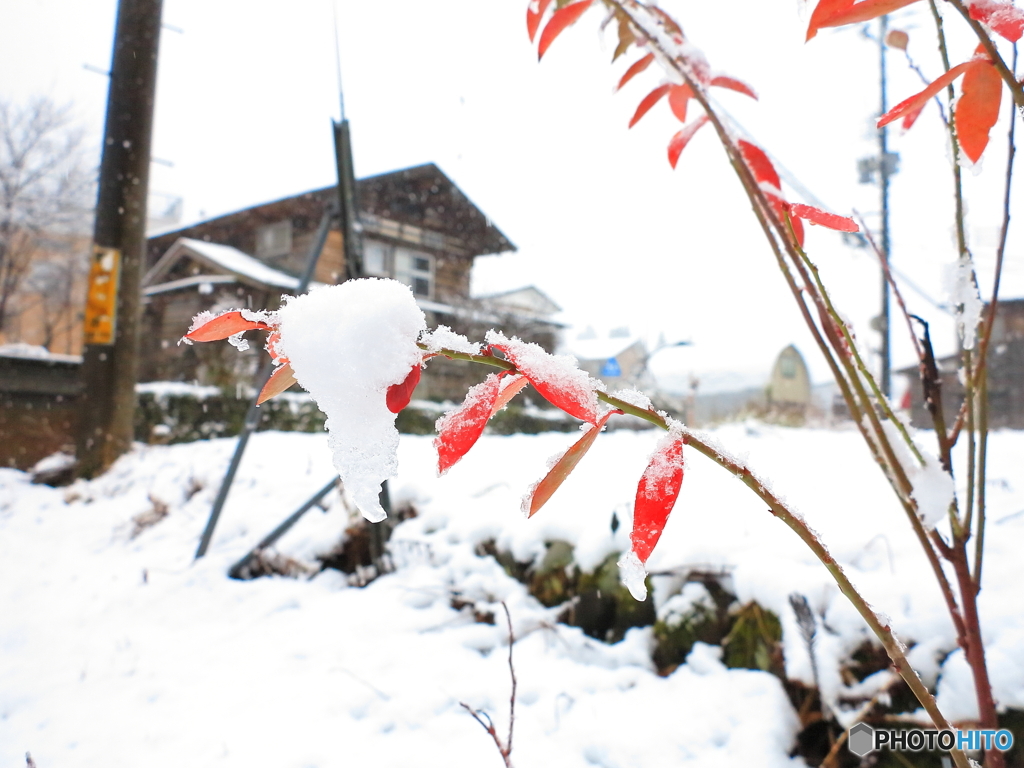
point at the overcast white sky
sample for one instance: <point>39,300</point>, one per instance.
<point>603,225</point>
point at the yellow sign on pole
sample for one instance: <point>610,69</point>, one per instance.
<point>101,300</point>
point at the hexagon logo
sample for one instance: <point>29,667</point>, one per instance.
<point>861,739</point>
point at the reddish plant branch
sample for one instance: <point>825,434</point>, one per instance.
<point>893,647</point>
<point>1016,89</point>
<point>504,747</point>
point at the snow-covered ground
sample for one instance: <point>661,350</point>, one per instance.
<point>121,651</point>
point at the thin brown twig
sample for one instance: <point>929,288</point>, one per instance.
<point>986,338</point>
<point>780,510</point>
<point>504,748</point>
<point>924,79</point>
<point>887,271</point>
<point>512,674</point>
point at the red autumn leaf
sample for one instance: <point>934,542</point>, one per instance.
<point>560,19</point>
<point>458,430</point>
<point>798,228</point>
<point>1005,19</point>
<point>562,468</point>
<point>282,378</point>
<point>649,101</point>
<point>681,139</point>
<point>724,81</point>
<point>678,99</point>
<point>510,387</point>
<point>911,117</point>
<point>759,164</point>
<point>635,69</point>
<point>569,391</point>
<point>656,495</point>
<point>822,11</point>
<point>978,108</point>
<point>917,102</point>
<point>534,13</point>
<point>848,13</point>
<point>399,395</point>
<point>224,325</point>
<point>823,218</point>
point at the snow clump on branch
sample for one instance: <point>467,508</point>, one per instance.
<point>347,344</point>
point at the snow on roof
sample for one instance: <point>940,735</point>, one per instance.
<point>528,298</point>
<point>33,352</point>
<point>240,263</point>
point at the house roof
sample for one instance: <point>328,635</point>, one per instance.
<point>239,264</point>
<point>425,197</point>
<point>241,268</point>
<point>421,197</point>
<point>603,348</point>
<point>529,299</point>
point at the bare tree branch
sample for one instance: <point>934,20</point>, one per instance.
<point>44,189</point>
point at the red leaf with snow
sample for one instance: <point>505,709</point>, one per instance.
<point>273,339</point>
<point>458,430</point>
<point>823,218</point>
<point>681,139</point>
<point>759,164</point>
<point>560,19</point>
<point>510,387</point>
<point>678,99</point>
<point>561,469</point>
<point>1004,19</point>
<point>569,391</point>
<point>635,69</point>
<point>977,110</point>
<point>534,13</point>
<point>724,81</point>
<point>649,101</point>
<point>848,13</point>
<point>913,105</point>
<point>656,495</point>
<point>399,395</point>
<point>224,325</point>
<point>282,378</point>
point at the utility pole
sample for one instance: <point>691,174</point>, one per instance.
<point>107,407</point>
<point>885,165</point>
<point>885,168</point>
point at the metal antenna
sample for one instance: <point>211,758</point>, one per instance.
<point>337,58</point>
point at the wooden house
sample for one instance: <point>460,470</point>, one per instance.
<point>1005,375</point>
<point>416,226</point>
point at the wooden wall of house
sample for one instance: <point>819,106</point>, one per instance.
<point>166,317</point>
<point>451,279</point>
<point>38,409</point>
<point>330,269</point>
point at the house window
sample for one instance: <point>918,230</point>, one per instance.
<point>375,258</point>
<point>413,268</point>
<point>416,270</point>
<point>274,239</point>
